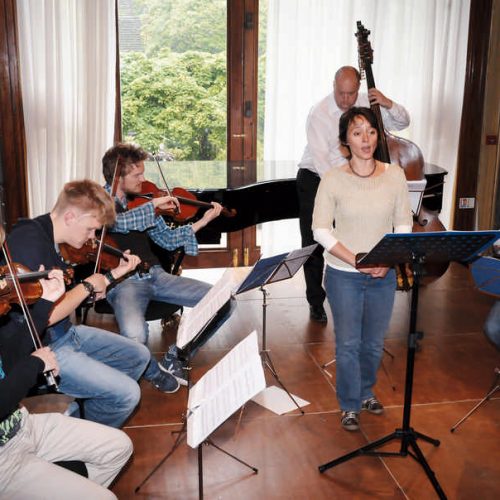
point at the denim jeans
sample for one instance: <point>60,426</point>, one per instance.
<point>361,308</point>
<point>102,368</point>
<point>131,297</point>
<point>492,325</point>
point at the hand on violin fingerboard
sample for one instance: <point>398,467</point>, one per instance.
<point>53,286</point>
<point>208,216</point>
<point>212,213</point>
<point>125,266</point>
<point>166,203</point>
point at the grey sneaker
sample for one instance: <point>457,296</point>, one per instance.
<point>350,421</point>
<point>165,382</point>
<point>170,363</point>
<point>373,405</point>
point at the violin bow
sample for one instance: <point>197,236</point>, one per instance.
<point>35,337</point>
<point>177,210</point>
<point>114,187</point>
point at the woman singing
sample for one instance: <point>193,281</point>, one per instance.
<point>366,199</point>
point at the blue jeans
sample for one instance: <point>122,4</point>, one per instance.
<point>102,368</point>
<point>492,325</point>
<point>131,297</point>
<point>361,308</point>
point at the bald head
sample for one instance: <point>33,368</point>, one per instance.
<point>346,86</point>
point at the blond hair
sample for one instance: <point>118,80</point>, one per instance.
<point>86,195</point>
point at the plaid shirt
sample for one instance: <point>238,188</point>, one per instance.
<point>143,218</point>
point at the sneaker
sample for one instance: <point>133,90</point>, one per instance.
<point>170,363</point>
<point>318,314</point>
<point>165,382</point>
<point>350,421</point>
<point>373,405</point>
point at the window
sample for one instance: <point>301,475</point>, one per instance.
<point>174,87</point>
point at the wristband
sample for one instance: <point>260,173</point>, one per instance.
<point>109,276</point>
<point>89,287</point>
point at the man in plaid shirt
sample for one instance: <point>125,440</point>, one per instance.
<point>134,229</point>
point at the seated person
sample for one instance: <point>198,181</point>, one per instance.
<point>97,366</point>
<point>29,444</point>
<point>134,228</point>
<point>492,325</point>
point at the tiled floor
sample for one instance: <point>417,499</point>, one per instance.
<point>453,370</point>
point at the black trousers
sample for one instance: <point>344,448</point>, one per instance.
<point>307,185</point>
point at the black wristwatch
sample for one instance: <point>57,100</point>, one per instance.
<point>89,287</point>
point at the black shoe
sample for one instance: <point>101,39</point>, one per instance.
<point>373,405</point>
<point>350,420</point>
<point>318,314</point>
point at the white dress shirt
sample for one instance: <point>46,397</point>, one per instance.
<point>322,129</point>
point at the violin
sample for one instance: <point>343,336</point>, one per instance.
<point>189,204</point>
<point>12,291</point>
<point>29,281</point>
<point>109,258</point>
<point>404,153</point>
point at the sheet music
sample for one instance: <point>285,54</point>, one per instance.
<point>416,192</point>
<point>235,379</point>
<point>192,323</point>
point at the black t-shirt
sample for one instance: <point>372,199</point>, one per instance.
<point>31,243</point>
<point>18,369</point>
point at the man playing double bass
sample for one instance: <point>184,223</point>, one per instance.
<point>322,152</point>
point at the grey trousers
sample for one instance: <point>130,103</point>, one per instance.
<point>26,466</point>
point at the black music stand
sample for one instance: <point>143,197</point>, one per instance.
<point>417,249</point>
<point>190,349</point>
<point>270,270</point>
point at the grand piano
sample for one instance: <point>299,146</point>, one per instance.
<point>277,200</point>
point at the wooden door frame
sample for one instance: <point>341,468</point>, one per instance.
<point>13,172</point>
<point>469,146</point>
<point>242,66</point>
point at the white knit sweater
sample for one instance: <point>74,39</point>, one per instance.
<point>364,210</point>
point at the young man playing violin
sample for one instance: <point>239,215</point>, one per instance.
<point>31,445</point>
<point>97,366</point>
<point>134,228</point>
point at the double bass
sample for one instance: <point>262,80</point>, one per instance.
<point>393,149</point>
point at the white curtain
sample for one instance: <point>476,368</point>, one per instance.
<point>419,61</point>
<point>67,60</point>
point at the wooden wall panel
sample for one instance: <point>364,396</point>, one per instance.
<point>472,113</point>
<point>12,139</point>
